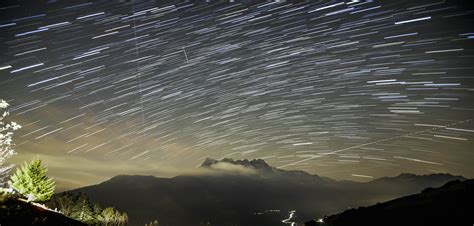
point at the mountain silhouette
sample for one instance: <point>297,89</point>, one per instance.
<point>450,204</point>
<point>244,192</point>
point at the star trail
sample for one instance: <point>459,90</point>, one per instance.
<point>344,89</point>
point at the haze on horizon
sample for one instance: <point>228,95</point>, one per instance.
<point>347,90</point>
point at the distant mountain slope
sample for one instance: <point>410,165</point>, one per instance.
<point>451,204</point>
<point>14,212</point>
<point>401,185</point>
<point>239,192</point>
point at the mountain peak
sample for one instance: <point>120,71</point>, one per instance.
<point>208,162</point>
<point>254,163</point>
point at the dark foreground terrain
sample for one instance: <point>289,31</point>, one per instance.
<point>451,204</point>
<point>14,212</point>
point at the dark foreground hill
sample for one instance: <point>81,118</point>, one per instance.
<point>14,212</point>
<point>247,193</point>
<point>451,204</point>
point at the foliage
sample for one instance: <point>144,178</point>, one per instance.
<point>107,215</point>
<point>31,181</point>
<point>84,211</point>
<point>6,143</point>
<point>153,223</point>
<point>111,216</point>
<point>79,207</point>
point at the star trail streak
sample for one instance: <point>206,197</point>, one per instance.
<point>344,89</point>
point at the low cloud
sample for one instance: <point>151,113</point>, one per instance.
<point>73,171</point>
<point>232,168</point>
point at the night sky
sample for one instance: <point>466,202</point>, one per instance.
<point>344,89</point>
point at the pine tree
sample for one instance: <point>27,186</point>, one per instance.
<point>31,181</point>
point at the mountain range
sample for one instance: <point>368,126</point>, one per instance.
<point>247,192</point>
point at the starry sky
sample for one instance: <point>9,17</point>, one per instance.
<point>351,90</point>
